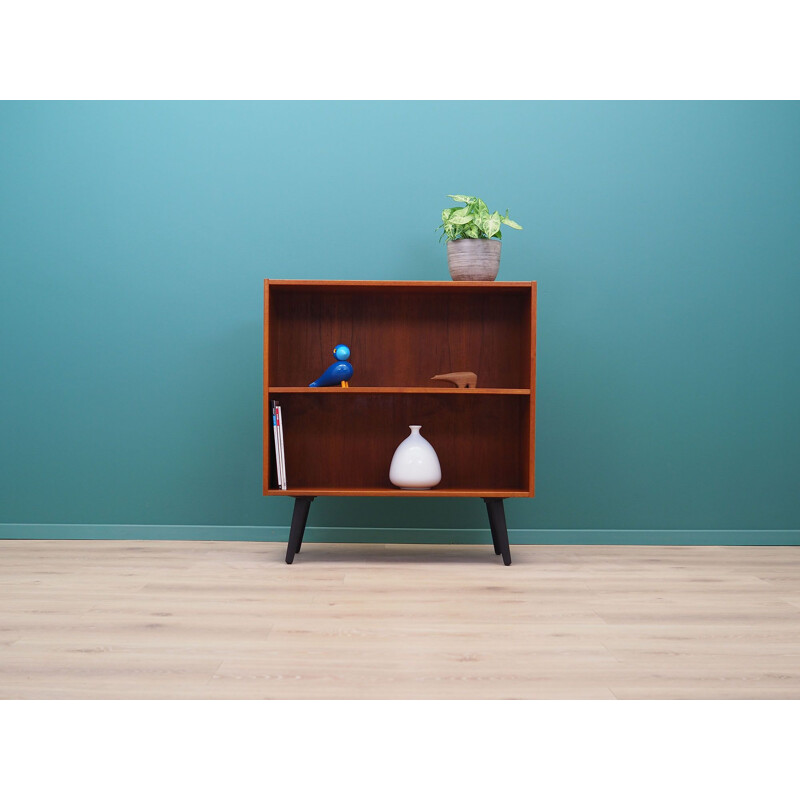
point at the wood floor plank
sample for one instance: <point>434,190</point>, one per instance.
<point>157,619</point>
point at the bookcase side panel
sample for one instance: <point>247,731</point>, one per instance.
<point>531,465</point>
<point>266,414</point>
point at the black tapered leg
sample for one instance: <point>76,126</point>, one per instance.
<point>303,524</point>
<point>299,518</point>
<point>494,534</point>
<point>497,520</point>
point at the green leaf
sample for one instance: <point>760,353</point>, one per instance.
<point>473,220</point>
<point>490,226</point>
<point>461,198</point>
<point>460,217</point>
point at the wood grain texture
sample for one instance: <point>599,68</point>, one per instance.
<point>398,336</point>
<point>353,491</point>
<point>391,390</point>
<point>341,440</point>
<point>464,380</point>
<point>530,477</point>
<point>346,441</point>
<point>266,437</point>
<point>124,619</point>
<point>421,286</point>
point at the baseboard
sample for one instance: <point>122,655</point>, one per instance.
<point>400,535</point>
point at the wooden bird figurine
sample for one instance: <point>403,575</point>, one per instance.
<point>464,380</point>
<point>339,372</point>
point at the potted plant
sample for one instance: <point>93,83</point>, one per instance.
<point>473,239</point>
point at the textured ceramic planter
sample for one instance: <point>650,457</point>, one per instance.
<point>415,464</point>
<point>473,259</point>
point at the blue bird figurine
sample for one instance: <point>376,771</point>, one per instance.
<point>339,372</point>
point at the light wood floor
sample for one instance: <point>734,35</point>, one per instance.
<point>102,619</point>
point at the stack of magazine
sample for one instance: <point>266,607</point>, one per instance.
<point>277,431</point>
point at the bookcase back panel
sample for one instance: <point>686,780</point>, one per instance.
<point>346,441</point>
<point>400,337</point>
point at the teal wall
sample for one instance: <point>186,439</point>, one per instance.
<point>665,238</point>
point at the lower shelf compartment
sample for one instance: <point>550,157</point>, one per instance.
<point>343,444</point>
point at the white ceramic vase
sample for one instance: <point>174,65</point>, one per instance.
<point>415,464</point>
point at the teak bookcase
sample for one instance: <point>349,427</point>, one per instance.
<point>340,441</point>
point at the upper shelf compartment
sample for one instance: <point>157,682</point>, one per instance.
<point>389,390</point>
<point>400,334</point>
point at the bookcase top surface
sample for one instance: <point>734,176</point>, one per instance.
<point>457,285</point>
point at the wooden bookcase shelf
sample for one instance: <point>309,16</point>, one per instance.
<point>389,390</point>
<point>340,441</point>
